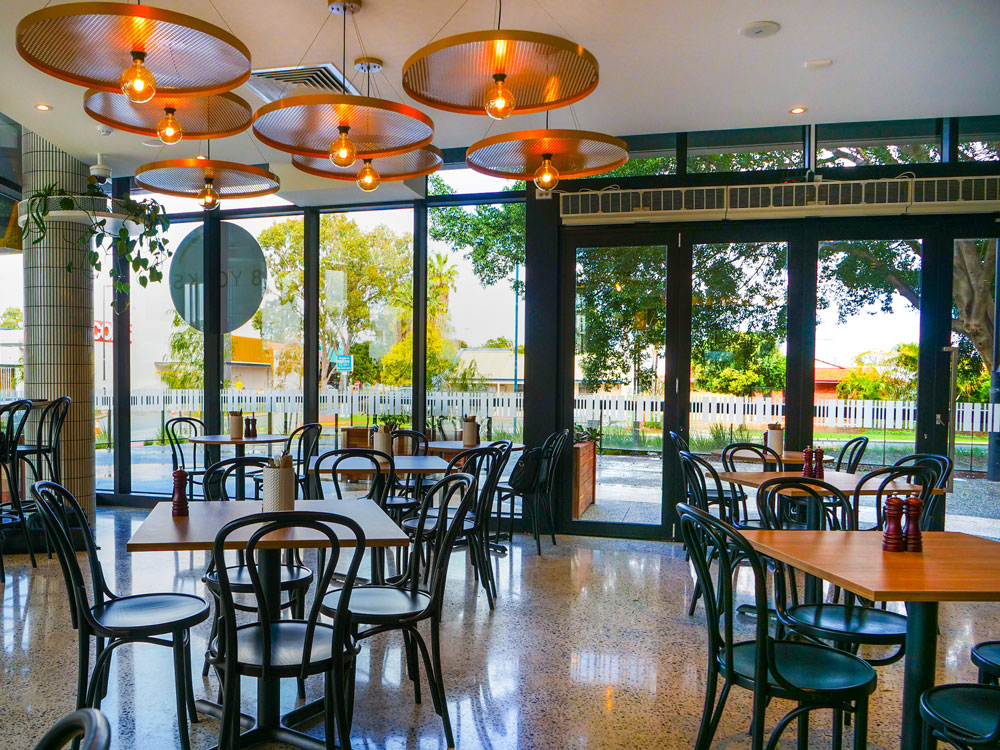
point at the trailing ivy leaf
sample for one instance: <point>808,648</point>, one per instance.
<point>66,204</point>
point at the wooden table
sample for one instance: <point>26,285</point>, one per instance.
<point>162,532</point>
<point>403,465</point>
<point>241,450</point>
<point>448,449</point>
<point>952,568</point>
<point>846,483</point>
<point>789,458</point>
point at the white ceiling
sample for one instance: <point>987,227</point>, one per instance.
<point>666,65</point>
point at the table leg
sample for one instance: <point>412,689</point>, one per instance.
<point>241,493</point>
<point>919,667</point>
<point>269,690</point>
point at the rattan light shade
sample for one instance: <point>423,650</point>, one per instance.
<point>543,71</point>
<point>214,116</point>
<point>307,123</point>
<point>575,153</point>
<point>416,163</point>
<point>90,44</point>
<point>186,177</point>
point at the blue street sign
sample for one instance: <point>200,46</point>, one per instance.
<point>345,363</point>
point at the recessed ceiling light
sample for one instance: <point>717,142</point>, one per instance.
<point>42,107</point>
<point>797,110</point>
<point>759,29</point>
<point>152,142</point>
<point>819,62</point>
<point>202,157</point>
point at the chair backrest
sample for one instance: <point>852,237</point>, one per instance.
<point>750,452</point>
<point>178,430</point>
<point>13,417</point>
<point>701,477</point>
<point>303,444</point>
<point>268,611</point>
<point>485,464</point>
<point>850,455</point>
<point>50,423</point>
<point>942,466</point>
<point>817,505</point>
<point>63,517</point>
<point>87,724</point>
<point>413,442</point>
<point>679,443</point>
<point>217,475</point>
<point>380,467</point>
<point>552,450</point>
<point>922,475</point>
<point>427,567</point>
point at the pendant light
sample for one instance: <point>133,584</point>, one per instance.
<point>500,72</point>
<point>138,50</point>
<point>368,179</point>
<point>416,163</point>
<point>191,117</point>
<point>343,127</point>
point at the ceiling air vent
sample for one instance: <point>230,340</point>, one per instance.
<point>275,83</point>
<point>830,198</point>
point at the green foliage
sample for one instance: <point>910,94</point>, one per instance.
<point>393,421</point>
<point>185,362</point>
<point>889,376</point>
<point>145,253</point>
<point>500,342</point>
<point>366,369</point>
<point>584,434</point>
<point>12,317</point>
<point>751,363</point>
<point>397,364</point>
<point>466,379</point>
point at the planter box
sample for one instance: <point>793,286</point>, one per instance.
<point>584,477</point>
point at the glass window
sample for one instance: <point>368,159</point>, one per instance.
<point>745,150</point>
<point>11,323</point>
<point>867,342</point>
<point>365,321</point>
<point>979,138</point>
<point>475,319</point>
<point>104,376</point>
<point>856,144</point>
<point>738,331</point>
<point>464,180</point>
<point>646,165</point>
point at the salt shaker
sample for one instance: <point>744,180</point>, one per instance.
<point>807,462</point>
<point>913,539</point>
<point>892,537</point>
<point>180,502</point>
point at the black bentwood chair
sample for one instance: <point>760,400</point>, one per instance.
<point>276,648</point>
<point>403,602</point>
<point>44,453</point>
<point>986,657</point>
<point>112,620</point>
<point>295,578</point>
<point>410,443</point>
<point>850,455</point>
<point>848,625</point>
<point>964,715</point>
<point>88,727</point>
<point>179,430</point>
<point>934,505</point>
<point>814,676</point>
<point>768,459</point>
<point>301,445</point>
<point>12,512</point>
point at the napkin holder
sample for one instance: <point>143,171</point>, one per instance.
<point>470,433</point>
<point>235,426</point>
<point>382,441</point>
<point>279,488</point>
<point>776,440</point>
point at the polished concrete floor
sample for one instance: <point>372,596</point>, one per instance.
<point>590,647</point>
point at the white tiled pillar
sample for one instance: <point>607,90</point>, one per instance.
<point>59,315</point>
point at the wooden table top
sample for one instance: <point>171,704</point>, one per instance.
<point>403,464</point>
<point>226,440</point>
<point>843,481</point>
<point>953,567</point>
<point>457,446</point>
<point>161,531</point>
<point>787,457</point>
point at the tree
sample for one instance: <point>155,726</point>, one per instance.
<point>500,342</point>
<point>397,364</point>
<point>361,271</point>
<point>186,360</point>
<point>888,376</point>
<point>752,364</point>
<point>12,317</point>
<point>366,369</point>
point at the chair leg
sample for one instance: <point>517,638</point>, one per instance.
<point>757,721</point>
<point>838,729</point>
<point>229,731</point>
<point>412,663</point>
<point>84,669</point>
<point>189,684</point>
<point>861,723</point>
<point>705,729</point>
<point>439,679</point>
<point>551,517</point>
<point>180,691</point>
<point>10,472</point>
<point>802,738</point>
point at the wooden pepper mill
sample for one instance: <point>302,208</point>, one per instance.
<point>180,505</point>
<point>818,463</point>
<point>807,462</point>
<point>892,537</point>
<point>913,538</point>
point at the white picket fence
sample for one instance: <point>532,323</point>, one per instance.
<point>705,410</point>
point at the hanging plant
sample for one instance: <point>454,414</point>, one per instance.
<point>145,252</point>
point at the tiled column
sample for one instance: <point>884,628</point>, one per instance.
<point>59,315</point>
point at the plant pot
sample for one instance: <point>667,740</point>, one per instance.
<point>584,477</point>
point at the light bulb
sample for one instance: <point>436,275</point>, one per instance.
<point>137,82</point>
<point>499,101</point>
<point>208,198</point>
<point>368,178</point>
<point>546,176</point>
<point>168,129</point>
<point>343,152</point>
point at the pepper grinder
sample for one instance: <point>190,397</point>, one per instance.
<point>253,425</point>
<point>913,539</point>
<point>247,429</point>
<point>807,462</point>
<point>892,537</point>
<point>180,502</point>
<point>818,464</point>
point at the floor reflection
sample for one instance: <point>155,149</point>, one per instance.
<point>590,647</point>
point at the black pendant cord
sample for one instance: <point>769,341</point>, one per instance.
<point>343,58</point>
<point>499,13</point>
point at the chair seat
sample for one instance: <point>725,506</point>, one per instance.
<point>373,604</point>
<point>807,666</point>
<point>966,711</point>
<point>410,525</point>
<point>288,638</point>
<point>856,624</point>
<point>152,613</point>
<point>26,448</point>
<point>401,502</point>
<point>292,576</point>
<point>986,656</point>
